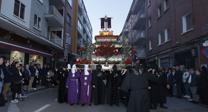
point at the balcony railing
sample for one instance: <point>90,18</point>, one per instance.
<point>57,40</point>
<point>54,17</point>
<point>138,34</point>
<point>58,3</point>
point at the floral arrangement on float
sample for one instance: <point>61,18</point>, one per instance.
<point>128,61</point>
<point>81,61</point>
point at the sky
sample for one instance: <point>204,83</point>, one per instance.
<point>117,9</point>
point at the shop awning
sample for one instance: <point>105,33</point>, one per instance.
<point>11,46</point>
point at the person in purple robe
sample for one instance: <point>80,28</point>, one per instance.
<point>73,86</point>
<point>85,86</point>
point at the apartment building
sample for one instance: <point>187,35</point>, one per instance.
<point>32,30</point>
<point>177,32</point>
<point>134,29</point>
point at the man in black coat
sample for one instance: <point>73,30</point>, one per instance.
<point>137,84</point>
<point>62,90</point>
<point>179,82</point>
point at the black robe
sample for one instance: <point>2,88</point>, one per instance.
<point>163,91</point>
<point>202,88</point>
<point>115,79</point>
<point>62,90</point>
<point>99,87</point>
<point>124,96</point>
<point>179,83</point>
<point>154,91</point>
<point>139,98</point>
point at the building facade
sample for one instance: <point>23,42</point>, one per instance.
<point>32,30</point>
<point>177,32</point>
<point>174,32</point>
<point>84,27</point>
<point>81,26</point>
<point>134,29</point>
<point>39,31</point>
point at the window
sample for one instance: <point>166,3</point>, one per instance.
<point>16,7</point>
<point>166,34</point>
<point>187,23</point>
<point>149,22</point>
<point>159,9</point>
<point>148,3</point>
<point>19,9</point>
<point>165,5</point>
<point>150,45</point>
<point>159,39</point>
<point>57,33</point>
<point>37,21</point>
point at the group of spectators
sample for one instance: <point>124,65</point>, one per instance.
<point>180,82</point>
<point>17,79</point>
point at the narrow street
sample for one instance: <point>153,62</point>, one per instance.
<point>45,101</point>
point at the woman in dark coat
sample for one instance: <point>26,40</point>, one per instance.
<point>163,90</point>
<point>16,85</point>
<point>154,86</point>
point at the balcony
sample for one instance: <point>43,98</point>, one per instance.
<point>137,38</point>
<point>57,3</point>
<point>138,34</point>
<point>139,20</point>
<point>80,28</point>
<point>54,17</point>
<point>57,40</point>
<point>68,40</point>
<point>137,5</point>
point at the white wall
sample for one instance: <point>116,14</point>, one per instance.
<point>8,8</point>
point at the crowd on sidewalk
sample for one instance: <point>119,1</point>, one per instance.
<point>180,82</point>
<point>17,79</point>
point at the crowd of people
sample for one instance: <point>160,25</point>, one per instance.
<point>187,83</point>
<point>81,85</point>
<point>16,79</point>
<point>140,88</point>
<point>149,87</point>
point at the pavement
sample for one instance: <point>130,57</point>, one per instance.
<point>45,101</point>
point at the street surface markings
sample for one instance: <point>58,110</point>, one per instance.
<point>43,108</point>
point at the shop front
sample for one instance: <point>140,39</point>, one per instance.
<point>17,56</point>
<point>188,58</point>
<point>165,62</point>
<point>24,55</point>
